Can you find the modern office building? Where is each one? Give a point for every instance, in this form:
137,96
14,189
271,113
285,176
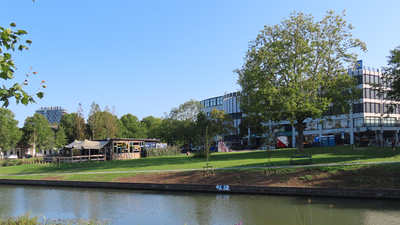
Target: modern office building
227,102
369,120
53,114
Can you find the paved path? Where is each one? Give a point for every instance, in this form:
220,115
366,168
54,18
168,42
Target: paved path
180,170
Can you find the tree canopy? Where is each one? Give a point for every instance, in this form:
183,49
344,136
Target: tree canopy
37,132
392,75
295,70
133,128
10,134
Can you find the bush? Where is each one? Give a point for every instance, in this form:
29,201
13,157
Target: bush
200,154
6,162
159,152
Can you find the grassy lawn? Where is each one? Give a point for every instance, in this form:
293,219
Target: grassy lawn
340,154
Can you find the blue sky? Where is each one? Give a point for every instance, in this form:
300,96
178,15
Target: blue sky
146,57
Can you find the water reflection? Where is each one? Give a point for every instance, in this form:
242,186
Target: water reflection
148,207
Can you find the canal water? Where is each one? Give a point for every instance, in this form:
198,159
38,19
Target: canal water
151,207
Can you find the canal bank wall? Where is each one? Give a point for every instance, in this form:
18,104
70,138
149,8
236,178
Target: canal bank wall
222,189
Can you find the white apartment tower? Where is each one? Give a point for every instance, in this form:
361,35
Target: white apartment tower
53,114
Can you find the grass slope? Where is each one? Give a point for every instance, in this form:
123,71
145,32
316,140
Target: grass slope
280,157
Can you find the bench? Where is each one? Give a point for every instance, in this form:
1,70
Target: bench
300,156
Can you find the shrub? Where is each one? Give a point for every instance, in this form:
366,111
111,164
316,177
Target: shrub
6,162
200,154
159,152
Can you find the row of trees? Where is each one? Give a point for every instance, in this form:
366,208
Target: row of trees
36,132
183,125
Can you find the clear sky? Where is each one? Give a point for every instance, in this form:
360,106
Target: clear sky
146,57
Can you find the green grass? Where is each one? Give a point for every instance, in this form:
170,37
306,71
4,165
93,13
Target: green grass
280,157
28,219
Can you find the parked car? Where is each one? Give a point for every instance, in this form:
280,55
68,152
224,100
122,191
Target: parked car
12,157
27,156
39,155
197,148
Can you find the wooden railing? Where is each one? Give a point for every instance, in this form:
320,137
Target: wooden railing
74,159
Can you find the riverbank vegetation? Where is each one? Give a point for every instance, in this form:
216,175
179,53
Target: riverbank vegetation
28,219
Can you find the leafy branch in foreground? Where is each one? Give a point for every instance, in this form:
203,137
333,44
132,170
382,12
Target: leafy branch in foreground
9,41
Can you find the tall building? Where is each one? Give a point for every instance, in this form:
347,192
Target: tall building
53,114
230,105
369,120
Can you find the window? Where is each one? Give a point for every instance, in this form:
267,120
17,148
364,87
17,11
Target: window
360,79
219,101
372,121
367,93
328,124
389,122
343,123
312,125
358,122
367,107
214,101
358,108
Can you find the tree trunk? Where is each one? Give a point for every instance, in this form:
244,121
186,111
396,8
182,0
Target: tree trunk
300,133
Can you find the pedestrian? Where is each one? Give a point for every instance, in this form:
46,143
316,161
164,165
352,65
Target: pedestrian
393,144
187,153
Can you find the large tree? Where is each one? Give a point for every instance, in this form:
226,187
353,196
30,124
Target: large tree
80,126
133,128
95,120
67,122
60,138
182,121
110,124
10,134
296,70
37,132
391,75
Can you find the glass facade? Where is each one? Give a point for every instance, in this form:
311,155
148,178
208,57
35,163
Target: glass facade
211,102
372,121
340,123
389,122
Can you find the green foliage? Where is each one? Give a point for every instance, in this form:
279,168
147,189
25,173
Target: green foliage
181,123
133,128
155,128
306,177
110,123
6,162
10,134
9,41
95,120
389,86
67,122
160,152
37,132
61,138
296,69
218,122
79,124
